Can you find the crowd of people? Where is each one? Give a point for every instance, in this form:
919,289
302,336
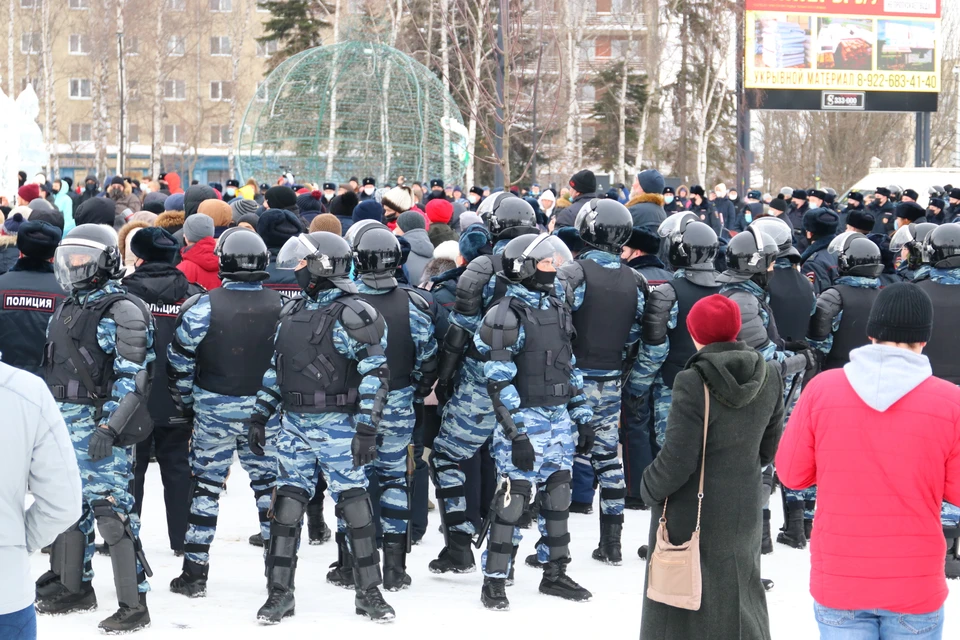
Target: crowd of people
531,340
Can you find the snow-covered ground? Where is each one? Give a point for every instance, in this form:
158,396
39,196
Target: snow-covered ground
433,606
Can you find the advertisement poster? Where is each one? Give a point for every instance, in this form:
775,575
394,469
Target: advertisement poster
843,45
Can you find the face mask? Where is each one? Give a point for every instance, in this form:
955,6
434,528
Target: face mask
231,191
668,199
368,190
91,186
545,279
762,279
473,199
56,190
732,197
328,195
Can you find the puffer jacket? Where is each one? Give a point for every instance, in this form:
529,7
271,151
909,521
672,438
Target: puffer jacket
881,440
200,265
421,252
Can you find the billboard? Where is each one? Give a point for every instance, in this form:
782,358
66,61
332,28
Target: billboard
844,48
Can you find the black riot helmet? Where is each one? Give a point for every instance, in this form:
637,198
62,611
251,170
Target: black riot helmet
243,255
913,236
377,255
604,224
857,255
524,256
750,255
693,244
328,260
943,246
87,258
506,216
782,235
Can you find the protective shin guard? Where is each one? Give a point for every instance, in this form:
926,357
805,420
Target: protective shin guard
508,505
440,464
952,565
124,552
554,507
287,511
355,508
66,559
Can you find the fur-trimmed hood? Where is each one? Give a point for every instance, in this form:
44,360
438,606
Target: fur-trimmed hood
8,241
655,198
124,233
172,221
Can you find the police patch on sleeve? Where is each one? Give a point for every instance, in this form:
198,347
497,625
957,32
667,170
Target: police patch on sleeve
30,301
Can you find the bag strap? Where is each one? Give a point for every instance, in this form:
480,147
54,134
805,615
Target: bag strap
703,460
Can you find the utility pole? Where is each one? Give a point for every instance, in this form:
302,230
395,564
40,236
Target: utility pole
121,81
743,110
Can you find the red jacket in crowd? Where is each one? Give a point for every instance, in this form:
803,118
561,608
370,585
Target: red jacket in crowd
200,265
881,440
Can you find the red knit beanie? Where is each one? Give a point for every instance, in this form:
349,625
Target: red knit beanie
440,210
31,191
715,318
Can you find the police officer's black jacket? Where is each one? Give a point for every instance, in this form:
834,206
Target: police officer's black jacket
791,301
163,288
29,294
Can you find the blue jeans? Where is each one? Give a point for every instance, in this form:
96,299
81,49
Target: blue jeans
19,625
877,624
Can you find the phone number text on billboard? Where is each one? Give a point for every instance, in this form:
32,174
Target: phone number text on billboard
813,79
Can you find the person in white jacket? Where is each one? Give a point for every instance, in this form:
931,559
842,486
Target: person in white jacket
36,456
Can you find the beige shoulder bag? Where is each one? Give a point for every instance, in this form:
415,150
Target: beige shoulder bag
675,577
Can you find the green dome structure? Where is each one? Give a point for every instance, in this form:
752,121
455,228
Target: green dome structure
353,109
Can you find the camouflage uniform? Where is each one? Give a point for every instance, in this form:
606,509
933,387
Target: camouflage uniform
395,431
550,429
603,392
110,478
218,431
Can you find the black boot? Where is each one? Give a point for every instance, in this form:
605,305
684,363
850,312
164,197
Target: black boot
952,566
341,571
556,582
57,599
370,603
808,505
634,504
395,576
766,543
493,595
793,535
767,584
192,582
643,551
533,560
256,540
581,507
456,557
280,604
513,565
128,618
281,559
609,550
317,529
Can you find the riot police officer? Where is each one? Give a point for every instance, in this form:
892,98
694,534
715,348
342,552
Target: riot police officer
791,298
329,376
29,294
467,421
215,364
816,263
97,363
943,287
909,241
412,361
607,299
535,389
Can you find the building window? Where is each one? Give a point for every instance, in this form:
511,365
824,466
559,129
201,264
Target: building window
220,46
30,43
220,5
589,131
176,46
133,134
221,90
29,4
266,49
171,133
79,4
80,88
176,5
263,91
79,44
132,45
587,50
133,91
604,6
80,132
602,50
588,93
219,134
174,90
263,9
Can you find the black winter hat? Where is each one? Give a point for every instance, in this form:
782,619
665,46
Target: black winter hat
233,183
855,195
96,211
820,222
370,182
697,190
902,313
344,204
938,203
818,193
309,202
38,239
955,194
645,239
779,204
861,220
194,195
883,191
436,182
276,226
153,206
154,244
910,193
477,190
280,197
909,211
584,181
799,194
53,217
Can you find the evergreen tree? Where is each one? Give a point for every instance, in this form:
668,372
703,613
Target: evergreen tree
295,25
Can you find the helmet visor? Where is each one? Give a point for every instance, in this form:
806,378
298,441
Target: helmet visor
674,224
356,228
903,237
548,251
74,265
775,228
294,251
837,244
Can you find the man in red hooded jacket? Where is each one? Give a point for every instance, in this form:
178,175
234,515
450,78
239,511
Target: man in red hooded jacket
199,263
881,440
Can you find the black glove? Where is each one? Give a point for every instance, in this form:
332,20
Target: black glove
444,392
523,455
585,438
101,443
796,346
257,434
418,410
364,445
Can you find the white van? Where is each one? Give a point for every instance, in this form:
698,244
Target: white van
916,178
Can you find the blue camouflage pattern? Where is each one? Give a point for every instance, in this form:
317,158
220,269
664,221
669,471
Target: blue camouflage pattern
110,478
604,394
826,345
219,430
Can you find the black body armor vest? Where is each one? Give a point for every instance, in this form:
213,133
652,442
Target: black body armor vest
791,300
852,332
943,349
27,302
545,364
401,352
604,319
681,344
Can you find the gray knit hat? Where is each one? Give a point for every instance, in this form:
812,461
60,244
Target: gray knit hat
241,207
197,227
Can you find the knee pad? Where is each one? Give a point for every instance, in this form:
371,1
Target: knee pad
289,505
557,492
66,558
355,508
510,505
109,523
